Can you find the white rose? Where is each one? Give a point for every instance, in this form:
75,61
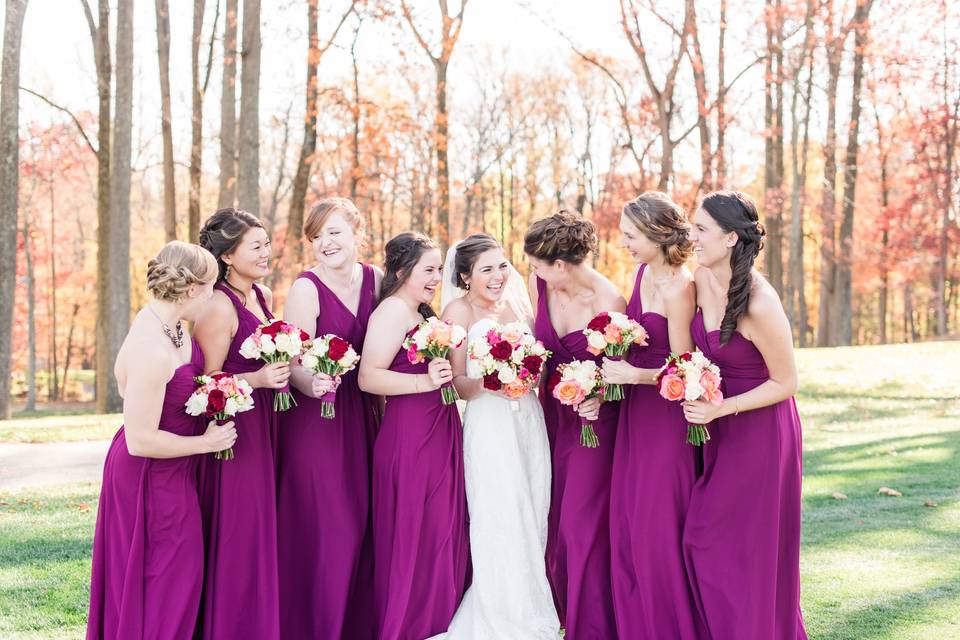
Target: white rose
267,347
231,408
197,404
694,390
596,341
249,349
457,334
309,361
517,356
349,358
506,375
619,319
283,343
245,387
480,346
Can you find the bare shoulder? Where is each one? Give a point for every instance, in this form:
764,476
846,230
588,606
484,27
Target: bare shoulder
389,309
267,294
459,311
301,288
609,296
140,347
377,276
763,298
681,286
219,308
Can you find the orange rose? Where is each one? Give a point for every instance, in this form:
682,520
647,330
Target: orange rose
441,333
515,390
568,392
672,387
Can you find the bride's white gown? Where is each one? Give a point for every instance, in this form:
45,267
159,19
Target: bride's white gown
506,459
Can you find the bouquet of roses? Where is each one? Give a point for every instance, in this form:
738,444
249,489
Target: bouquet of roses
220,396
691,376
612,333
575,382
433,338
510,359
275,341
334,356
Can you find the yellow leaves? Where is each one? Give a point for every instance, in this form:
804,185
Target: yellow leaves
839,496
887,491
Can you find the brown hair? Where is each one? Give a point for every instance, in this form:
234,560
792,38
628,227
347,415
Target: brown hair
401,255
468,250
563,236
223,231
664,223
176,267
322,210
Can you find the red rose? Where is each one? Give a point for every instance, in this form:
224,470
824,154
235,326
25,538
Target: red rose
600,322
271,329
533,364
220,376
304,336
492,382
686,357
338,347
501,351
553,382
216,401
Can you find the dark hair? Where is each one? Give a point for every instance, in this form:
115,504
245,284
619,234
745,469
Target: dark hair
222,233
468,250
663,222
563,236
401,255
735,212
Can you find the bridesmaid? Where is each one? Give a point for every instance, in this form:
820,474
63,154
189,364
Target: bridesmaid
419,505
323,468
741,539
567,294
653,467
148,544
238,497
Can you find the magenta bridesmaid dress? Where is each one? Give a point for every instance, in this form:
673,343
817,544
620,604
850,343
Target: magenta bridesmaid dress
421,548
238,499
578,528
653,475
323,494
741,538
148,544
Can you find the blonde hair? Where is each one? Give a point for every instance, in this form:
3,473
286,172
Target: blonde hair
176,267
663,222
322,210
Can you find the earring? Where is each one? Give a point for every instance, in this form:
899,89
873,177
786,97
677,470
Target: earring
467,286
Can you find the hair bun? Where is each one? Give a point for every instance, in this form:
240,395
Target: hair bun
563,236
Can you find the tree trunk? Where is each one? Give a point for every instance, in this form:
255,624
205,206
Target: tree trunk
228,109
443,171
196,124
700,83
52,387
31,318
355,112
248,163
825,335
9,183
68,351
721,96
773,147
844,284
163,55
951,128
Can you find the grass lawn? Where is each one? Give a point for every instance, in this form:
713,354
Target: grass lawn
873,566
42,426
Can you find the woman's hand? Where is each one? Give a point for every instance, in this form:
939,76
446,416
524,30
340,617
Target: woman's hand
324,384
440,372
589,410
219,437
274,375
701,411
620,372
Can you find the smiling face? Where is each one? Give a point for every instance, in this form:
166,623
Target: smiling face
336,243
489,275
641,248
251,258
421,284
711,244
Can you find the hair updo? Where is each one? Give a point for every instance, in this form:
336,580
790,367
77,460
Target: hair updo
664,223
563,236
222,232
736,213
176,267
321,212
401,255
468,250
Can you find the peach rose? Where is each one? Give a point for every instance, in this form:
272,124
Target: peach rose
612,333
441,333
512,336
515,390
569,393
672,387
642,336
711,387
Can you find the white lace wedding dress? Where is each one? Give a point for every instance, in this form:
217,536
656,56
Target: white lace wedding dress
506,460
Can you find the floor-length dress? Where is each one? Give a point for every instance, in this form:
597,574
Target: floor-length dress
238,498
323,493
148,544
578,540
654,470
421,549
742,534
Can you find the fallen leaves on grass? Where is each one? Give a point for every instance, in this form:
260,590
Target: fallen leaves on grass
887,491
929,503
839,496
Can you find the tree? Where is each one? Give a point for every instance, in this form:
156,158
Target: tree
773,144
228,109
199,88
449,33
248,158
163,55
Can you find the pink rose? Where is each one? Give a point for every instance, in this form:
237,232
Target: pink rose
612,334
642,336
568,392
413,355
672,387
711,387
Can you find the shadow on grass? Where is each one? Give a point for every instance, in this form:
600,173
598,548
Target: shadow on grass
42,551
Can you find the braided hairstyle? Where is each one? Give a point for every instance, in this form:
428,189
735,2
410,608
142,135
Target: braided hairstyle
178,266
735,212
468,250
222,233
563,236
664,223
401,255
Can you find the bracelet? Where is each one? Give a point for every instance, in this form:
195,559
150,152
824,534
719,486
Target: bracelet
736,403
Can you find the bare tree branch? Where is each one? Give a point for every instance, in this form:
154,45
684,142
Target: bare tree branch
73,117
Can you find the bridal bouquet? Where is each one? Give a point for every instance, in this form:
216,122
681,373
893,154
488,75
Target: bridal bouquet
691,376
332,355
612,333
220,396
275,341
433,338
510,358
575,382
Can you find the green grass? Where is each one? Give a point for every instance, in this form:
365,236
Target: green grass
42,426
873,567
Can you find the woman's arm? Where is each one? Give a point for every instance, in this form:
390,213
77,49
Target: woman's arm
302,309
458,312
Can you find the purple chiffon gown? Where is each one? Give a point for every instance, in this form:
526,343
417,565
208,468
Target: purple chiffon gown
238,499
578,529
323,494
421,548
653,475
148,544
741,538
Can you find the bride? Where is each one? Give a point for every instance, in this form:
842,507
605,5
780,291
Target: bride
506,462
